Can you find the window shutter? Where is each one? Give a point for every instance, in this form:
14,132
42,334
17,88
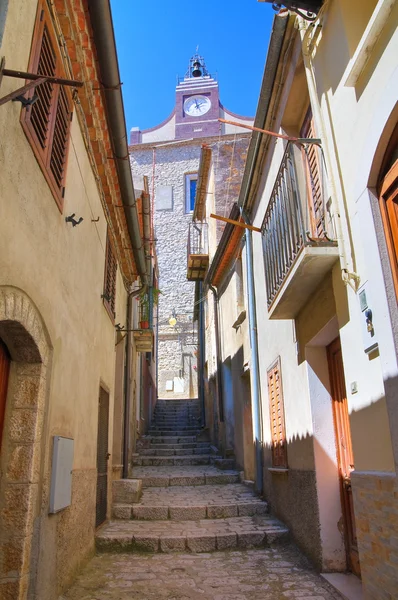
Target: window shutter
60,139
314,184
40,111
278,433
47,122
110,279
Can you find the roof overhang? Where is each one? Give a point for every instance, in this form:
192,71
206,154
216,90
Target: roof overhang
227,249
279,28
199,211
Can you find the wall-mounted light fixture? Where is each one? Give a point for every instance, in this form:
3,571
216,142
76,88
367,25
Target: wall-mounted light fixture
71,219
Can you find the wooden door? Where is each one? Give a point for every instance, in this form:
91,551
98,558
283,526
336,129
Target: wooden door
102,457
4,373
388,199
344,451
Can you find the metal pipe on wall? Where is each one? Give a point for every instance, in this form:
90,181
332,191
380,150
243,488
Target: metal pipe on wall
254,368
127,389
101,21
218,356
201,368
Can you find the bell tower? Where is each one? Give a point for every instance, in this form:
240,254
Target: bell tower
197,106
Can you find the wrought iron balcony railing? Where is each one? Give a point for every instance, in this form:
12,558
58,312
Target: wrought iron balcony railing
145,311
297,215
197,251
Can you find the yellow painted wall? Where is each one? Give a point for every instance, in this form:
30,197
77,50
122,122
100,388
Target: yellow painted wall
61,268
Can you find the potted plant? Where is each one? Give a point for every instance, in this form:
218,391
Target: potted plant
145,306
144,311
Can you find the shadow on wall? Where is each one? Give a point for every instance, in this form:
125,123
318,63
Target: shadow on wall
293,497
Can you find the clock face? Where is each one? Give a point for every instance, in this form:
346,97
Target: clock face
196,106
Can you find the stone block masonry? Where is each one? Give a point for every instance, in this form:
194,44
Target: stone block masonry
175,344
376,515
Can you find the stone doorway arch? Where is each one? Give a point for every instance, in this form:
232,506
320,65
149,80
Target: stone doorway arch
23,332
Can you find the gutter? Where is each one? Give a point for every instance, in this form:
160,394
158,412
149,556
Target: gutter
201,187
279,27
104,39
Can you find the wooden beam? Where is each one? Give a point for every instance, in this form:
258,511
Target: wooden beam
35,76
316,141
237,223
22,90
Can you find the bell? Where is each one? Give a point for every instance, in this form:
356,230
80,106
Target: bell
196,70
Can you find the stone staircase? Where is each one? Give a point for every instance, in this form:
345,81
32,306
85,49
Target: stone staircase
179,498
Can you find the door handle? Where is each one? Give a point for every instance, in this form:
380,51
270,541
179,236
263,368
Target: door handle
107,456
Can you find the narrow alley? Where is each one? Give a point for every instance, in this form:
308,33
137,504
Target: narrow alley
190,507
198,300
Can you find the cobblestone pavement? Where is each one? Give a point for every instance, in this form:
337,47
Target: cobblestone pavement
263,574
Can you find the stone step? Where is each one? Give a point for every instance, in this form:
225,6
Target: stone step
171,425
176,439
186,512
193,428
170,461
175,452
186,445
183,503
177,422
176,417
204,535
172,433
183,476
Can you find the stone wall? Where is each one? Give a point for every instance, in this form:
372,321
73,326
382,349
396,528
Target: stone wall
376,517
176,345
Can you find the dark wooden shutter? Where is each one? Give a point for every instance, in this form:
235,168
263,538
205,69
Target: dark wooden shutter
60,138
278,433
110,279
40,112
47,121
313,177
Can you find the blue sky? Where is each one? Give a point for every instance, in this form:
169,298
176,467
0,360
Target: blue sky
156,39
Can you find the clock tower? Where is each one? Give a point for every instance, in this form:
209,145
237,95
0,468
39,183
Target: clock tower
197,107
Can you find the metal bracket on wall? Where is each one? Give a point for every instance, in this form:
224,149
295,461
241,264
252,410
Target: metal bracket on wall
34,81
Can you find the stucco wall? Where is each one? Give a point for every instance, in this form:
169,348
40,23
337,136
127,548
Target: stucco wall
61,269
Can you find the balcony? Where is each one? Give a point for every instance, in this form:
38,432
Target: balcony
197,251
299,240
143,336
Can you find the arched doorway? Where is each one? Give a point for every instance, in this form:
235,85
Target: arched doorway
24,364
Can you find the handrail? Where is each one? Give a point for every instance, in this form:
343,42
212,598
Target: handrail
197,238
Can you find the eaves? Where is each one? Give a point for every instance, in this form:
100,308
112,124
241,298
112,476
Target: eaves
283,22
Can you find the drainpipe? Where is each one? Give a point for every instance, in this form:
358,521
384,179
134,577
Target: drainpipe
254,370
201,355
218,356
127,387
146,210
104,39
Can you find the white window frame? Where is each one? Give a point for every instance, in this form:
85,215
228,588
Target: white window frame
188,178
